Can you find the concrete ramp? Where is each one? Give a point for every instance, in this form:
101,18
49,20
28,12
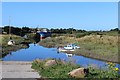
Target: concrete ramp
18,69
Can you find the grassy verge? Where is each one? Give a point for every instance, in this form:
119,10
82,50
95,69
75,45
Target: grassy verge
103,47
7,49
61,70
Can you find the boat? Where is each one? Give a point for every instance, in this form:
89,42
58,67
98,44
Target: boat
11,42
70,47
60,49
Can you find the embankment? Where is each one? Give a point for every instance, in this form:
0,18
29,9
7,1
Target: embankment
103,47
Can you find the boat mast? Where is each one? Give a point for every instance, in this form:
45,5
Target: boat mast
9,27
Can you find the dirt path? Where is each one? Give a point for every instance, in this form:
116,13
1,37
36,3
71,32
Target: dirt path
18,69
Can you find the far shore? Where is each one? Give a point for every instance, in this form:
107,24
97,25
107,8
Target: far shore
86,49
89,54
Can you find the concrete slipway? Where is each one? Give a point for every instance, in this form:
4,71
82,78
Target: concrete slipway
17,69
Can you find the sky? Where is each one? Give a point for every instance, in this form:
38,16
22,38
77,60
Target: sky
78,15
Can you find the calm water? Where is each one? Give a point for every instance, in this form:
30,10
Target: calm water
36,51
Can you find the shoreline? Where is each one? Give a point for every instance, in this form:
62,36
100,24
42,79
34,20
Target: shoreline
103,58
20,43
7,50
88,54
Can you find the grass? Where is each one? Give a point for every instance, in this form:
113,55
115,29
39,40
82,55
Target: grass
104,45
54,42
58,70
61,70
18,39
4,38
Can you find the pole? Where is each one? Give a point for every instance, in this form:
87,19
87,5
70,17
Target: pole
9,27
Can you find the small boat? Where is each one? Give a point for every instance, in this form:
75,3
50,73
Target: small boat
63,49
11,42
70,47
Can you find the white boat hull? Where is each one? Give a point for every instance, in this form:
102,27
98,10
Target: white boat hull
63,50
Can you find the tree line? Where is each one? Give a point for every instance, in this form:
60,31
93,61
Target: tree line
24,30
66,31
17,31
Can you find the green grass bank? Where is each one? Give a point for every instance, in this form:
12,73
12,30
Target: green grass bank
6,49
61,70
103,47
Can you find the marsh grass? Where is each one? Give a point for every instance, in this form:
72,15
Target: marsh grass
55,42
102,46
105,45
6,49
5,39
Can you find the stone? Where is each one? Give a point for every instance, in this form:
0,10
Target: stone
79,73
38,60
50,63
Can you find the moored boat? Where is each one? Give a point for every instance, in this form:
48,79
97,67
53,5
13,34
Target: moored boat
70,47
63,49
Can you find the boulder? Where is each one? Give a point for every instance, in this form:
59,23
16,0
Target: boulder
63,62
78,73
38,60
50,63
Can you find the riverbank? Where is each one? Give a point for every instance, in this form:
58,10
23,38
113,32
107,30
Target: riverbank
6,49
103,47
58,69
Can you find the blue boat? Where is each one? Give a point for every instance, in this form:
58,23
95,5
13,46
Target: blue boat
42,35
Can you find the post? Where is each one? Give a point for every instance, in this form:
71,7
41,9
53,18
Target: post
10,28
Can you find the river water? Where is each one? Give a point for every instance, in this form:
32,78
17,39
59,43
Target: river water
35,51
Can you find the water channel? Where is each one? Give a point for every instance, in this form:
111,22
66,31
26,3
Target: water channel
35,51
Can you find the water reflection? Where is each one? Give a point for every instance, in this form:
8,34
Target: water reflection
10,53
69,55
25,44
36,38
